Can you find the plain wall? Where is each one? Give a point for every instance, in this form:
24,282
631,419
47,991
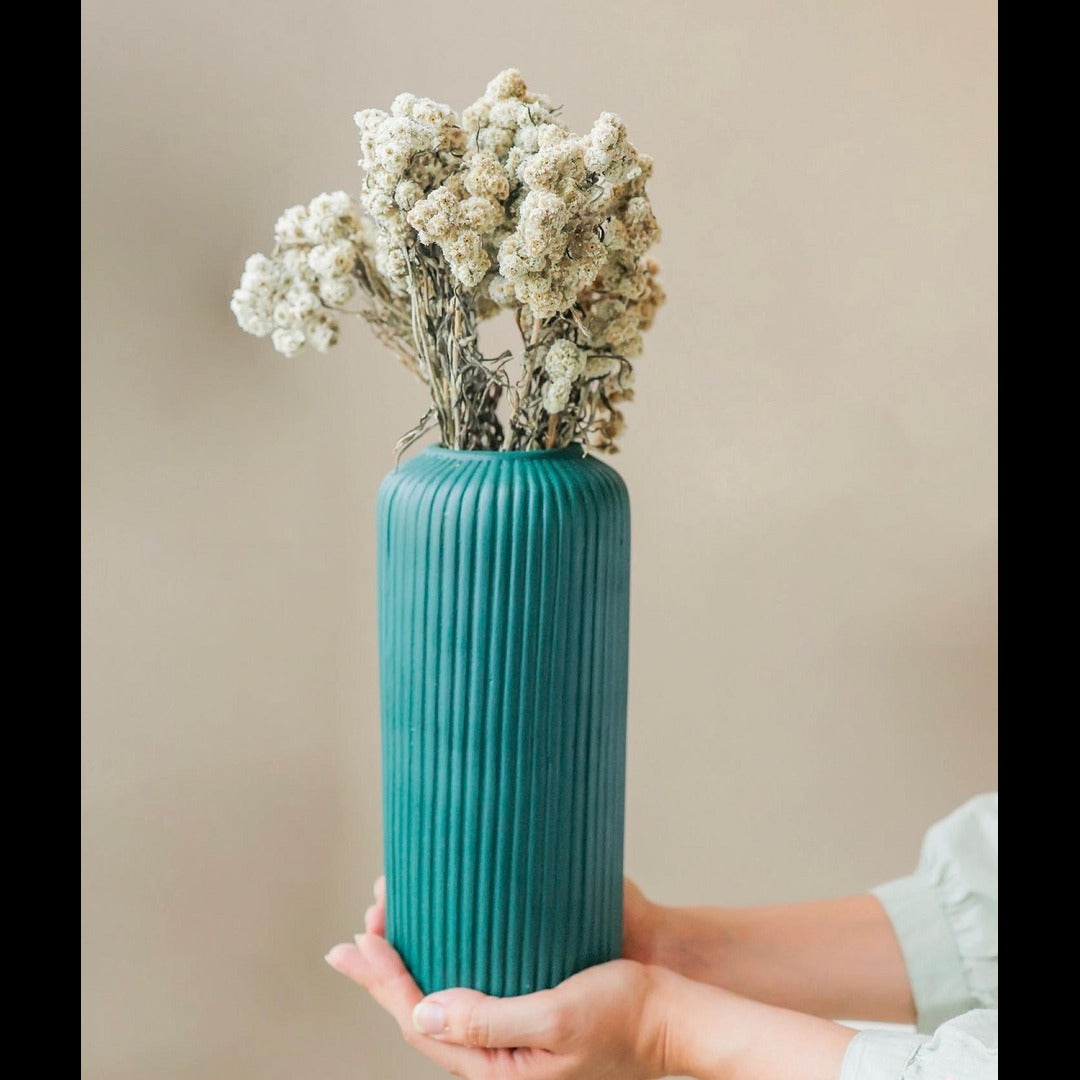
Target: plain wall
811,461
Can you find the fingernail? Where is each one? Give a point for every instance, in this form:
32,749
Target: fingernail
429,1018
335,956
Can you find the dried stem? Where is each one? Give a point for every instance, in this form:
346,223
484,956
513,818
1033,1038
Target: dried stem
553,427
464,389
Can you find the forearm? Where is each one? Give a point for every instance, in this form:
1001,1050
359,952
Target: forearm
830,958
712,1034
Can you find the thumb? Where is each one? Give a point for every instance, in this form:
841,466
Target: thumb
470,1018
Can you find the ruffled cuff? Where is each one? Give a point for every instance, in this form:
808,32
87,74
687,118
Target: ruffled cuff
880,1055
945,915
934,966
963,1049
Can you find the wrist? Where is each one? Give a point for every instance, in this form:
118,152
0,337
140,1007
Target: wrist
695,1030
713,1034
645,928
663,1051
660,934
692,942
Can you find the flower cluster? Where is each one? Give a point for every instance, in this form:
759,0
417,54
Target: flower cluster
405,153
564,364
291,295
501,208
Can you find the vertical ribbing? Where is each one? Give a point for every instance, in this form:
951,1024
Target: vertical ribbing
503,625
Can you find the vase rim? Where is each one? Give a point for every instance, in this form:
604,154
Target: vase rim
573,449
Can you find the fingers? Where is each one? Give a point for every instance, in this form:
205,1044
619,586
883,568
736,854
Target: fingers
469,1018
373,964
375,921
375,916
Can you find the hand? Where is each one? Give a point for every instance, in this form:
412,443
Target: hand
605,1021
641,925
827,958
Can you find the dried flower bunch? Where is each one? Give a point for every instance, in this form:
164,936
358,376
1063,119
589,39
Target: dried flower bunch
458,218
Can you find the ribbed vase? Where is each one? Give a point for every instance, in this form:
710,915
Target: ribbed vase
503,583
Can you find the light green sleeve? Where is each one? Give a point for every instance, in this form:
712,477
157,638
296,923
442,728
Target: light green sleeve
964,1048
945,915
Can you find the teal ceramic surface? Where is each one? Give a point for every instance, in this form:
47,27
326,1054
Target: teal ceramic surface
503,583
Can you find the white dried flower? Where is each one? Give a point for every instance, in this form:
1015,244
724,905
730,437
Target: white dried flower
609,153
467,258
406,152
334,206
293,262
256,285
285,295
250,313
321,335
556,396
302,299
332,260
285,315
502,208
459,223
501,291
337,291
390,258
260,266
290,227
640,225
597,367
507,84
564,361
288,341
485,176
407,194
506,116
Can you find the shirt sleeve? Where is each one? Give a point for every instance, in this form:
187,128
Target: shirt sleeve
945,917
964,1048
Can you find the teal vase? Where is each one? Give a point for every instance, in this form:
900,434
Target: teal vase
503,582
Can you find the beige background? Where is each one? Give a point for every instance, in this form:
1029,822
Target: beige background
811,459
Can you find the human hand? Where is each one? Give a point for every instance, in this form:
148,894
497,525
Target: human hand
605,1021
642,920
624,1019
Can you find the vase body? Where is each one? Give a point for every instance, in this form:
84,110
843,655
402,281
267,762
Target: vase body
503,584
